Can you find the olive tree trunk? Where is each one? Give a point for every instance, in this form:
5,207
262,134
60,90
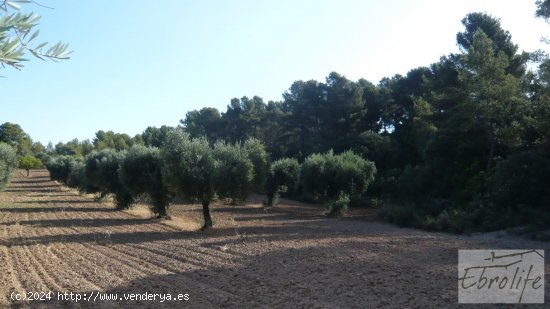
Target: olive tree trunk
206,215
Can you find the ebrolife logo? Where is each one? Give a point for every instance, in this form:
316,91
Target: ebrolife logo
501,276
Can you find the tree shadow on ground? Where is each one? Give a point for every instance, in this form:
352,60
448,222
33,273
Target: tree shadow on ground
312,277
33,187
83,201
52,195
31,180
56,209
107,222
309,277
37,189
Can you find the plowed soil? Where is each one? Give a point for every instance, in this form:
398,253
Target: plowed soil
291,256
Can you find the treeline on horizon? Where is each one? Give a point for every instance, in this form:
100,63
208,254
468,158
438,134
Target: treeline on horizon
462,145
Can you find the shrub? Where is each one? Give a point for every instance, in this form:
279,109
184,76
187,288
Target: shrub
29,162
141,172
402,215
451,220
283,176
519,187
8,163
412,183
338,205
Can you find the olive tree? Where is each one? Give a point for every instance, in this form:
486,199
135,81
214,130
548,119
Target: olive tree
335,179
234,172
197,171
77,178
255,151
283,176
102,174
189,170
60,167
315,174
141,173
8,163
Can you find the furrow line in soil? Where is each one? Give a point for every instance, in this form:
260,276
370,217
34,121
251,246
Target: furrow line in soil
171,264
32,256
186,254
26,273
144,273
58,268
157,277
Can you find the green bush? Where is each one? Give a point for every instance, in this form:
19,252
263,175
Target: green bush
519,187
413,183
452,220
141,173
436,215
8,163
402,215
283,176
338,205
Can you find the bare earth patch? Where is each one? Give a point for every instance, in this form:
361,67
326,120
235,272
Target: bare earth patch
53,239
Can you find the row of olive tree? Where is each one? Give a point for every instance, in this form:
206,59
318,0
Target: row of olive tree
8,163
195,169
98,172
332,179
190,168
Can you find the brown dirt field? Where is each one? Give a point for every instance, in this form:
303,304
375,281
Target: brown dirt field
53,239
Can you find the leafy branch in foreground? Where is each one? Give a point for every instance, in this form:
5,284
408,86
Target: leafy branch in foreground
18,33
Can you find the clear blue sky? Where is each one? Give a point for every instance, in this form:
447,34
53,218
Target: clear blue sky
146,63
